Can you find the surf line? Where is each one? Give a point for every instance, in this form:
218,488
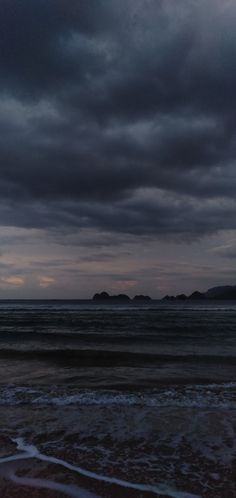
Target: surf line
31,451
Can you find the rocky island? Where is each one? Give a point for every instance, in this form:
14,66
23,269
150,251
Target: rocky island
104,296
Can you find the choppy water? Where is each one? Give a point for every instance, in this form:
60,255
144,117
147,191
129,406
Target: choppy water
142,398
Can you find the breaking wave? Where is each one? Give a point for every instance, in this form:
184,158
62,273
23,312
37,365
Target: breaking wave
199,396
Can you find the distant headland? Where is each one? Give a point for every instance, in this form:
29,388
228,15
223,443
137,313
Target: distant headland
224,292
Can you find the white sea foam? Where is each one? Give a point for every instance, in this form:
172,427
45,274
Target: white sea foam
193,396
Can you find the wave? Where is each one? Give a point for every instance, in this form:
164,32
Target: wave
207,396
99,357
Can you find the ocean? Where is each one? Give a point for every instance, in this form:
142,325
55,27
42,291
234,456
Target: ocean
125,400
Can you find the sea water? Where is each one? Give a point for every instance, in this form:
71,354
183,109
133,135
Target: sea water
117,400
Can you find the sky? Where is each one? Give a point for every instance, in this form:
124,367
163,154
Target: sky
117,147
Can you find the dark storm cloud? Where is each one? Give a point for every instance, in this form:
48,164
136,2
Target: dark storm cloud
34,36
118,116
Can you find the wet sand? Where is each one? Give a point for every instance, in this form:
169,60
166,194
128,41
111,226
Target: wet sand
89,452
28,475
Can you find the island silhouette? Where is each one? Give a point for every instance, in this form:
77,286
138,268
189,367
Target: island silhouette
223,292
104,296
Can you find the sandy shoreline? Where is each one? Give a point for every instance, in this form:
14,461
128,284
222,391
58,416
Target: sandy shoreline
37,477
189,452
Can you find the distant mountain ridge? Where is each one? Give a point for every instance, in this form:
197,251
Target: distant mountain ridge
223,292
214,292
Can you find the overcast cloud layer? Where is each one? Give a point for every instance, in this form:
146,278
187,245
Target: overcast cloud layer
119,118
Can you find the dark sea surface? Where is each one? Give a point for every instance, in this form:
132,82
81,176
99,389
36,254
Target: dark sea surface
117,400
